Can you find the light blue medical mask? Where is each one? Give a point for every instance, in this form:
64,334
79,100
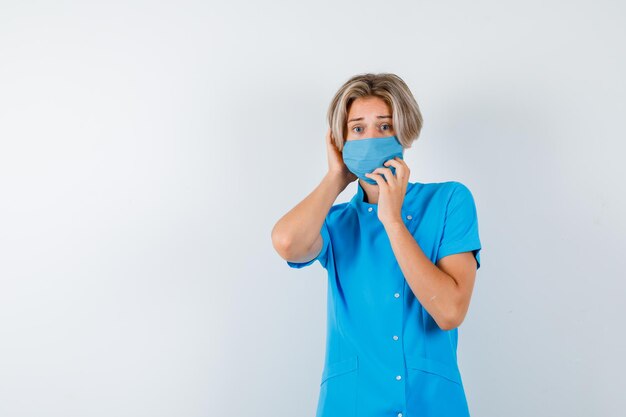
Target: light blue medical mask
362,156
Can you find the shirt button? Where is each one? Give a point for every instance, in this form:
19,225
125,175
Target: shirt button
398,377
370,209
399,414
397,295
409,217
395,338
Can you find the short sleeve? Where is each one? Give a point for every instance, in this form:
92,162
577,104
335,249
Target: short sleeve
322,257
460,230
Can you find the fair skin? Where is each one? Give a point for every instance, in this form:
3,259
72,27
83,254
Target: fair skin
444,289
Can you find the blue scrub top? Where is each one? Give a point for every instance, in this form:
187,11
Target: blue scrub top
385,354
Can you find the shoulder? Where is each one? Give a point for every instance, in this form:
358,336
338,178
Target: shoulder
459,191
337,211
443,189
437,196
457,198
427,190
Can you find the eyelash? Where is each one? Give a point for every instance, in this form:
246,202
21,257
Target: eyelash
384,124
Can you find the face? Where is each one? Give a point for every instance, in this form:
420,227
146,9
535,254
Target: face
369,117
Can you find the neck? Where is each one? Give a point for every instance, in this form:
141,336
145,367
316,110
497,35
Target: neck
370,191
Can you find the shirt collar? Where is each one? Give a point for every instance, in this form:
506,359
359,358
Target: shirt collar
358,200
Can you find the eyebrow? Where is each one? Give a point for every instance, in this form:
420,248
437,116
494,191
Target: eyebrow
360,118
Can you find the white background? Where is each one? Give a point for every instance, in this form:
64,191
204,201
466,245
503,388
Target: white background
148,148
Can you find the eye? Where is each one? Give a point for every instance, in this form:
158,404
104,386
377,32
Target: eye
356,127
386,124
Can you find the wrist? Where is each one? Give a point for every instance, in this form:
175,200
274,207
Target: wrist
337,180
394,225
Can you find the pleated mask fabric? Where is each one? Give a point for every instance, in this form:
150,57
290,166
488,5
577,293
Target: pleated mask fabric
362,156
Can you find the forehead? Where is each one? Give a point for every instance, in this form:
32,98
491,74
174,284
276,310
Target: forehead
367,106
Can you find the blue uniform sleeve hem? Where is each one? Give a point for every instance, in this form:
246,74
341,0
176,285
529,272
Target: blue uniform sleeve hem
459,247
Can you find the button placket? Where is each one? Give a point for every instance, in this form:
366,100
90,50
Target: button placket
396,295
406,215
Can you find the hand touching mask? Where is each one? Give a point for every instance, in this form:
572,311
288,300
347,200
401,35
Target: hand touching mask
362,156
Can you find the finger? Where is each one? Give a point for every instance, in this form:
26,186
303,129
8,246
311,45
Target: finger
386,172
378,178
397,166
402,169
402,162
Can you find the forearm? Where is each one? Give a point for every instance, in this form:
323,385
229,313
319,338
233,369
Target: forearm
298,229
436,290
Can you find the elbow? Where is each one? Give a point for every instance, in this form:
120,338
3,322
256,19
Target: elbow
281,243
447,325
452,319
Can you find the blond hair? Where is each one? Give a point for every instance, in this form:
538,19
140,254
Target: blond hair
407,118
